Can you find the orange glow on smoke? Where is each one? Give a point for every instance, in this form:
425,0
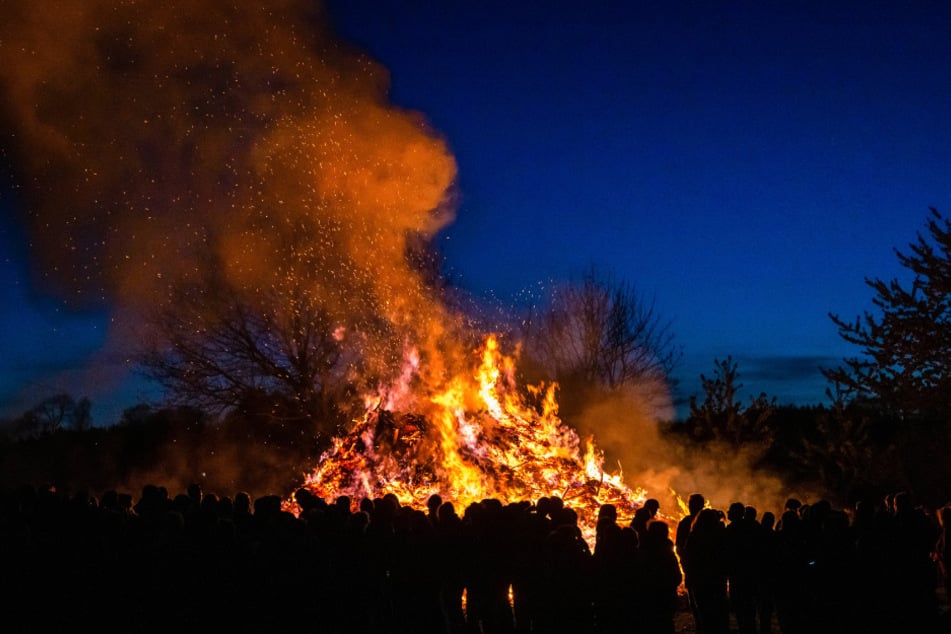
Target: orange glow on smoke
173,147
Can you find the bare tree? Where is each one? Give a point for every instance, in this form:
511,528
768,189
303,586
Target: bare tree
602,333
219,349
54,412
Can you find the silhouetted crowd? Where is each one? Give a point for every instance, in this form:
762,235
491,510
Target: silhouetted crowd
816,569
200,562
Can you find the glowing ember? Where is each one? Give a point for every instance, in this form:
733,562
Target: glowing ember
476,437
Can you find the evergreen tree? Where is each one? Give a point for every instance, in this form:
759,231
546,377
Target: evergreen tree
905,367
721,415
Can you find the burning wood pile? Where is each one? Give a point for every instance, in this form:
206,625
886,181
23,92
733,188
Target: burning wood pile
479,437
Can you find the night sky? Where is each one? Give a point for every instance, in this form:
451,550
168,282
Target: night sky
745,164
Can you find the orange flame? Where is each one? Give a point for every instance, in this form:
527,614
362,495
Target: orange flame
476,437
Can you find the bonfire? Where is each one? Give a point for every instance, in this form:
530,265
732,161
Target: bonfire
477,437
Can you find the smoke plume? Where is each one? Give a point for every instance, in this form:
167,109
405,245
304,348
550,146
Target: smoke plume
160,145
670,467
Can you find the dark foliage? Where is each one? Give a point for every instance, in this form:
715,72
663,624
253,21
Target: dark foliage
177,444
850,450
722,416
905,367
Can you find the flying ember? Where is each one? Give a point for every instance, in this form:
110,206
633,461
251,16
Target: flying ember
478,436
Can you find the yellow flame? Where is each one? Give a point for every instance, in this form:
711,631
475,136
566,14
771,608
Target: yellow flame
477,436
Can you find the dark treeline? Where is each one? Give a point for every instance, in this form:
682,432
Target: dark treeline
174,445
196,561
844,452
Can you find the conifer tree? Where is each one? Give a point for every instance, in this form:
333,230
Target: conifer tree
905,363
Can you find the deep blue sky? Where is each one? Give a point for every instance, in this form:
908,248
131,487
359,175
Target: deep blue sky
745,164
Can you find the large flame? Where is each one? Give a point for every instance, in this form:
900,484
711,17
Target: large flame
477,436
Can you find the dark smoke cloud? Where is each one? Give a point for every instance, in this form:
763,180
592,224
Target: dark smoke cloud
159,144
